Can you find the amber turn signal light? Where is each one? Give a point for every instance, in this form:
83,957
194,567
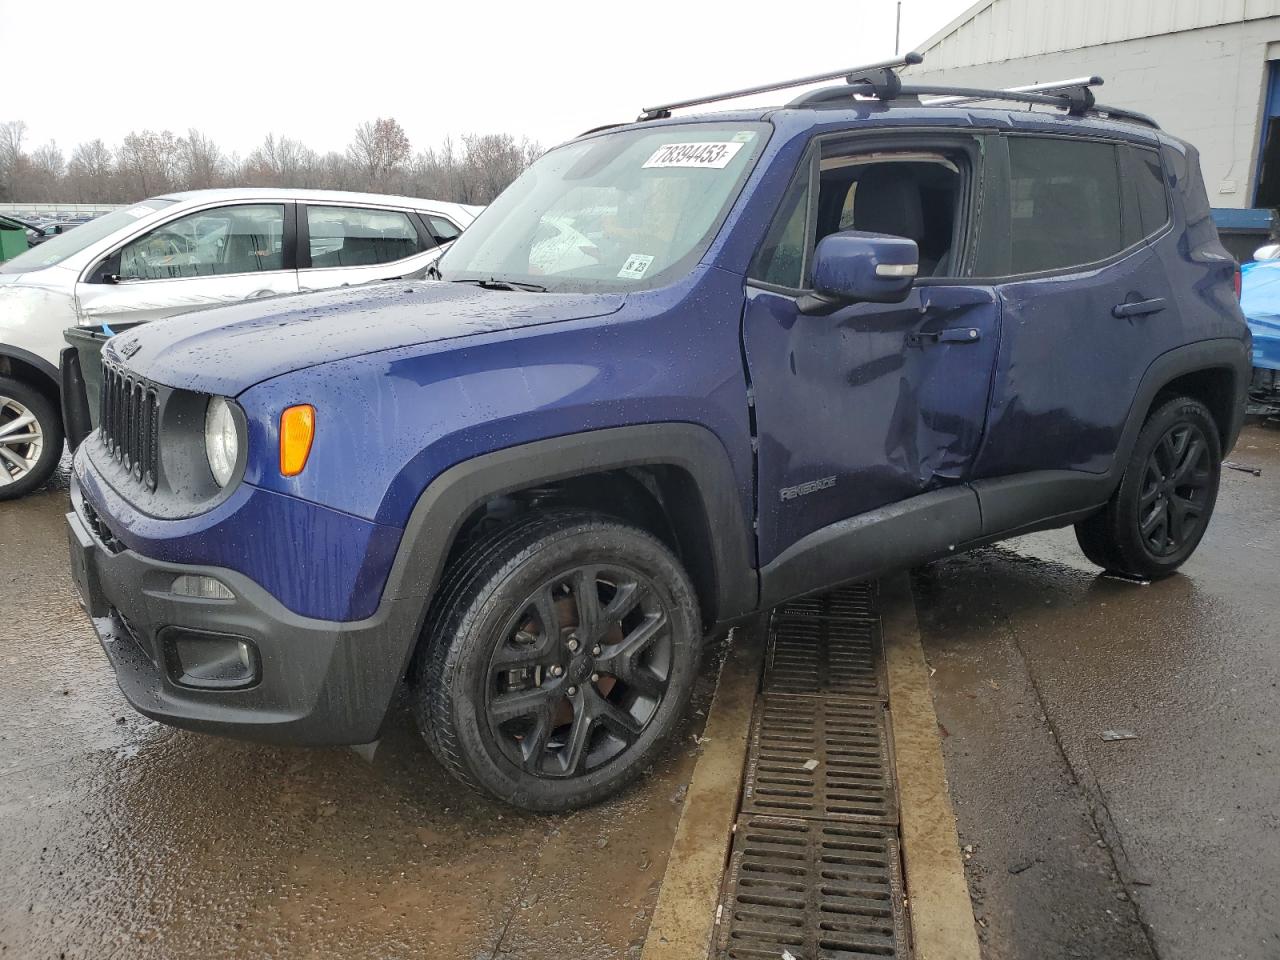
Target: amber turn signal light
297,427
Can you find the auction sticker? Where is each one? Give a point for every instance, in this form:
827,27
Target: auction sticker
714,155
635,267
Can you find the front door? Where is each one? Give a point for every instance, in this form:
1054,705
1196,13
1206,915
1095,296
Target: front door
219,255
871,404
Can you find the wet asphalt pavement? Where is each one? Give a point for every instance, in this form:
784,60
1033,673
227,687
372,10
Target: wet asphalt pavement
1166,845
120,837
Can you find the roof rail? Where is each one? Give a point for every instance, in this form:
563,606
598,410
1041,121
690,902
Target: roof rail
1075,96
1051,86
878,77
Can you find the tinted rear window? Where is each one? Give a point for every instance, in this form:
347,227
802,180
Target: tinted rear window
1065,205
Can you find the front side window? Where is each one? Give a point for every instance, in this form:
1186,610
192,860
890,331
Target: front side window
246,238
912,194
780,259
1064,203
620,211
360,237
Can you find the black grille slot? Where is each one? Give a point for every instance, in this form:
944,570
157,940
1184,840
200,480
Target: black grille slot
130,423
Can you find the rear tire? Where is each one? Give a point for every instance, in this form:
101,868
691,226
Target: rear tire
1158,514
560,655
30,438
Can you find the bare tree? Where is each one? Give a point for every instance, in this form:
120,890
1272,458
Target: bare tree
12,157
89,174
147,163
44,173
200,161
282,162
380,150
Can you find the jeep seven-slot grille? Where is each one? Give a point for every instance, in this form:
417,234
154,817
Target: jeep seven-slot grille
130,422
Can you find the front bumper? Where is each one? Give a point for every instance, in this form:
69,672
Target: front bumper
317,681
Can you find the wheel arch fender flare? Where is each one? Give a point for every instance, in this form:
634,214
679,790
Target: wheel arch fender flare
442,508
1227,355
42,366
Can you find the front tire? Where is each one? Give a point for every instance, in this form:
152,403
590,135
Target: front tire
1157,516
30,438
561,654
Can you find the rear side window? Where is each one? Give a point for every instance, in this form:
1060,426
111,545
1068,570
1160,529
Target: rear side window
358,237
1153,206
1064,204
441,229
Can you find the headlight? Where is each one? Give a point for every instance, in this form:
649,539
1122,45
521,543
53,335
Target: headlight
221,440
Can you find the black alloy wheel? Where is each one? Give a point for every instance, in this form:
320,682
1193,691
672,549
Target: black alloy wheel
1161,508
1174,504
580,670
558,655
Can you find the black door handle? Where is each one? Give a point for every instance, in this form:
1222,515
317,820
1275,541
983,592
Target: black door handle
955,335
1138,308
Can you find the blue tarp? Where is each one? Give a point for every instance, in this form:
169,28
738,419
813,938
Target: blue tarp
1260,301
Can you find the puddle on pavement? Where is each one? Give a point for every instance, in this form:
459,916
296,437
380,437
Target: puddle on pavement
125,838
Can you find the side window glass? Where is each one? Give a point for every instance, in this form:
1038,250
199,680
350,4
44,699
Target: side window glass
442,230
247,238
780,261
912,195
358,237
1153,204
1065,203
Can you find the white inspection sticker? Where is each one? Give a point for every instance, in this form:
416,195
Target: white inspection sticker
139,212
714,155
635,267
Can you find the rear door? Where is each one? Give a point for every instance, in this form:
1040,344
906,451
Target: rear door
1086,301
222,254
869,404
343,245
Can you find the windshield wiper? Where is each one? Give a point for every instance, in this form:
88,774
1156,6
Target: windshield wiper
495,284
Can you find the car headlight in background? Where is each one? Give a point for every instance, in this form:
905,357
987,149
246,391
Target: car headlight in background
221,440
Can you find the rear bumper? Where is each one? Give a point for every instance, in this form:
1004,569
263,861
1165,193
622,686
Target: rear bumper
315,681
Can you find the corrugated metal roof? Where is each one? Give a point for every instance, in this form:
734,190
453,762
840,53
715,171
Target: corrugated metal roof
994,30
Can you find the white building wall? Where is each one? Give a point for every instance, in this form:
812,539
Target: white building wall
995,30
1205,85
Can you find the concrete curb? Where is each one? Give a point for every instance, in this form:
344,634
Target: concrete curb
938,895
684,918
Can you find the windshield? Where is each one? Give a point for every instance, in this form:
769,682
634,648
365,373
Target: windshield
622,211
56,249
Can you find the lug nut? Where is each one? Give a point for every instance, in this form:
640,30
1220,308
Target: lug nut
557,670
572,691
573,644
595,651
595,678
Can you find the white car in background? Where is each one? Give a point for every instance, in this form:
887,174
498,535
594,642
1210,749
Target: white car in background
182,252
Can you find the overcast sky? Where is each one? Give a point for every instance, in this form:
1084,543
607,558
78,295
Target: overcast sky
239,70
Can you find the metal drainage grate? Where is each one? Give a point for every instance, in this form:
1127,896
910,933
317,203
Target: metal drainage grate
845,744
819,891
816,656
855,602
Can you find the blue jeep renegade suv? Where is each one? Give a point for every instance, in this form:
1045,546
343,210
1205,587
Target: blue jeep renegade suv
681,370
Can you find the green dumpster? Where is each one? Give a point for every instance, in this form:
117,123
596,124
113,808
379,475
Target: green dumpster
13,238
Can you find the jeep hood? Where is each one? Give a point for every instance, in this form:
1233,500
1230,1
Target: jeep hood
226,350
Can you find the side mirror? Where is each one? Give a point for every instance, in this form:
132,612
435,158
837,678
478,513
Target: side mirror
854,265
